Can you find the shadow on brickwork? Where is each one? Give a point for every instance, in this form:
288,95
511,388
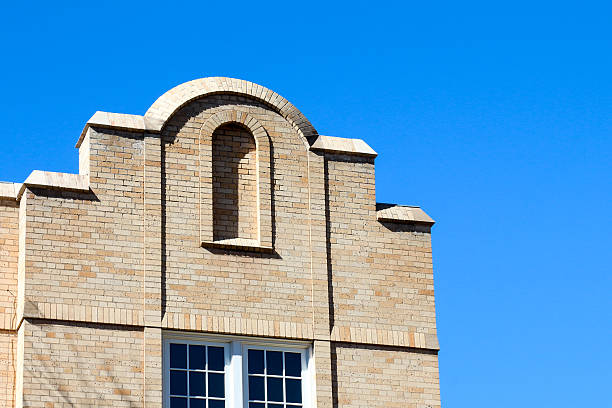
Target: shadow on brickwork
399,227
162,232
231,145
45,370
330,277
361,346
65,194
334,375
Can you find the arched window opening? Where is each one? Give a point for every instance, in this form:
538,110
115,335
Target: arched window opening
235,184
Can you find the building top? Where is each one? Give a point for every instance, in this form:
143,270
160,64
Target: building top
170,102
402,213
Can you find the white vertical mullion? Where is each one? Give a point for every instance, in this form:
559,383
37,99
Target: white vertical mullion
283,379
187,374
166,372
205,376
266,377
234,388
308,372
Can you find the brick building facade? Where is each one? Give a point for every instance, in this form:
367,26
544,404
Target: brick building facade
216,251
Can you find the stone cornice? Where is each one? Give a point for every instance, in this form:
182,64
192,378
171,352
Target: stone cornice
343,146
402,214
45,179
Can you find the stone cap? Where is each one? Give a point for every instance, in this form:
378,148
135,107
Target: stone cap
46,179
119,121
343,145
402,214
161,110
9,190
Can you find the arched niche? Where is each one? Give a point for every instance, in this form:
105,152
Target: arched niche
234,213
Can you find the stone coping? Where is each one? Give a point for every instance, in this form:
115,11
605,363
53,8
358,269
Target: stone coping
239,244
402,214
137,123
119,121
9,190
343,145
45,179
171,101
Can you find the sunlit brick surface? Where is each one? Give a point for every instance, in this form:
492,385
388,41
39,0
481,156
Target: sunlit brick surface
218,212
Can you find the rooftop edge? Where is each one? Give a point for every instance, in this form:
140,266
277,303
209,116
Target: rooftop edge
343,145
402,214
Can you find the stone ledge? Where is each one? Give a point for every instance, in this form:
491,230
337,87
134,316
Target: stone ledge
238,244
402,214
343,145
385,337
60,181
9,190
89,314
119,121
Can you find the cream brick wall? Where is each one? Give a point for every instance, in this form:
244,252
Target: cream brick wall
9,253
84,250
382,276
385,377
82,366
272,287
8,357
102,273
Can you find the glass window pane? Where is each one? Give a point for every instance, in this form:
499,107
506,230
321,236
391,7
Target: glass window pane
275,389
197,357
216,404
256,405
256,361
178,382
197,384
274,362
275,406
293,364
197,403
216,358
256,388
293,388
216,387
178,402
178,355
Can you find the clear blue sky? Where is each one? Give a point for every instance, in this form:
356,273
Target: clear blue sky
495,118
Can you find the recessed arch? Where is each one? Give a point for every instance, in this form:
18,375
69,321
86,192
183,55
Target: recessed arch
167,104
263,181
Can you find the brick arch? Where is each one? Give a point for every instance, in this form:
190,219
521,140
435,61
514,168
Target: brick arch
264,181
167,104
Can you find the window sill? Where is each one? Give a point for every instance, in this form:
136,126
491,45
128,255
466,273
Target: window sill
238,244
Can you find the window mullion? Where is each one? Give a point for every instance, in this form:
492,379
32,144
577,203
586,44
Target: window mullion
187,373
235,386
266,377
283,379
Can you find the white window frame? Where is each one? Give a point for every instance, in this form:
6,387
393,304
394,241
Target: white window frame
236,355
